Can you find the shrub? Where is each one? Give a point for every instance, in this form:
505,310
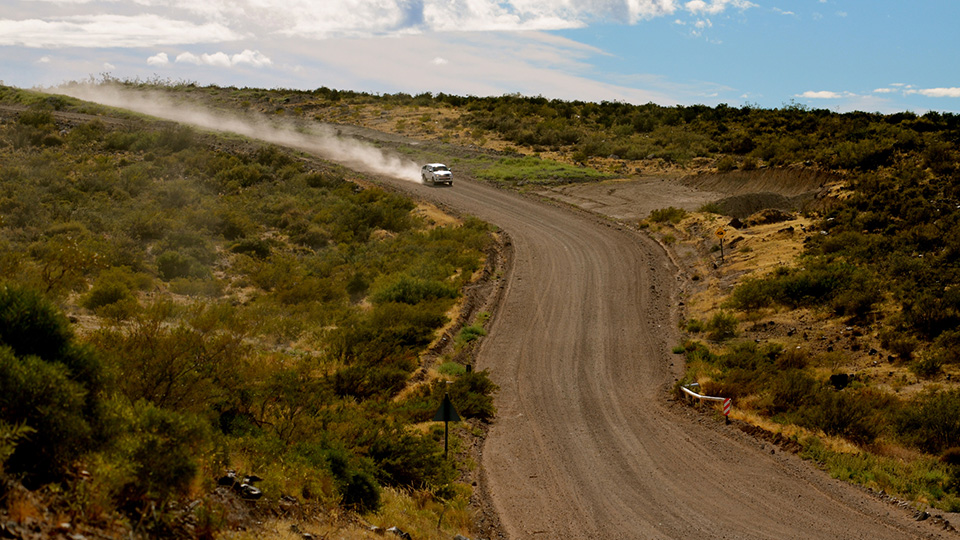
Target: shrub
721,326
726,164
472,395
406,289
695,326
254,247
354,480
160,448
931,421
105,293
669,214
172,264
752,294
451,368
842,413
928,366
469,334
791,390
10,435
42,396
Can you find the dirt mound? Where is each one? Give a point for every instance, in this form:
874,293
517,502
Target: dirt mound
748,192
789,182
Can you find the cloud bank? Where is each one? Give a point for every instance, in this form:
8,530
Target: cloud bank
106,23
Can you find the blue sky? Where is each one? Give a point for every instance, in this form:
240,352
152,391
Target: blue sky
843,55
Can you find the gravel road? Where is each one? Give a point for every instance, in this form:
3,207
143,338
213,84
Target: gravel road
587,443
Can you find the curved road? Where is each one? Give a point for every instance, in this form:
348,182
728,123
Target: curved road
585,444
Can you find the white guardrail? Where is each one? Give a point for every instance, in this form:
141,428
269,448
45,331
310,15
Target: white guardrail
691,393
727,402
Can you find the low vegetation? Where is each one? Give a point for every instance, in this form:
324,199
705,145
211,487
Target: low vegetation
296,305
176,305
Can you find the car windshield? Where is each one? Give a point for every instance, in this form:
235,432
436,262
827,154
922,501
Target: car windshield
441,168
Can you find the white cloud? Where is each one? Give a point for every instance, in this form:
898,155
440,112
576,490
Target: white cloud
439,61
825,94
715,7
480,64
109,31
159,59
109,23
936,92
253,58
885,90
782,12
222,59
108,66
43,60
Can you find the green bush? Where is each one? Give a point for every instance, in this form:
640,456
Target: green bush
41,396
472,395
791,390
469,334
406,289
726,164
105,293
160,449
931,421
928,366
721,326
451,368
843,413
172,265
354,480
47,383
669,214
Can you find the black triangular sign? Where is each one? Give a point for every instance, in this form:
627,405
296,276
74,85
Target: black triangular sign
446,412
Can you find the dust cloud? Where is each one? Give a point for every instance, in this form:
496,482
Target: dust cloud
320,139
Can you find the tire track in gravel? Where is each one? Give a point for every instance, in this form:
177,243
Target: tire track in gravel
586,443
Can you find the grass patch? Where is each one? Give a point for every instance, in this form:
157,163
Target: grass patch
534,170
925,480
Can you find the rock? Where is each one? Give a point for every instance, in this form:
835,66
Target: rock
249,492
840,380
228,479
460,537
400,533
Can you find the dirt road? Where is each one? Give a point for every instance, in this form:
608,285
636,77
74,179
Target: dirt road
587,443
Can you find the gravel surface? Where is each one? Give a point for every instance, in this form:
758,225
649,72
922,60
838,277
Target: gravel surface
587,442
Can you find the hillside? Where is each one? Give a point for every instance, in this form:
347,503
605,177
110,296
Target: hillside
179,307
831,323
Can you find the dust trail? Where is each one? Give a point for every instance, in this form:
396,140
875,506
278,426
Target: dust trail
320,140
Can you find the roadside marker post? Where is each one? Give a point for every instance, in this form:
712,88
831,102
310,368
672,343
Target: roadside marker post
446,414
727,405
720,233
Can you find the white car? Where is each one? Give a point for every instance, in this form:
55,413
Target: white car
436,173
